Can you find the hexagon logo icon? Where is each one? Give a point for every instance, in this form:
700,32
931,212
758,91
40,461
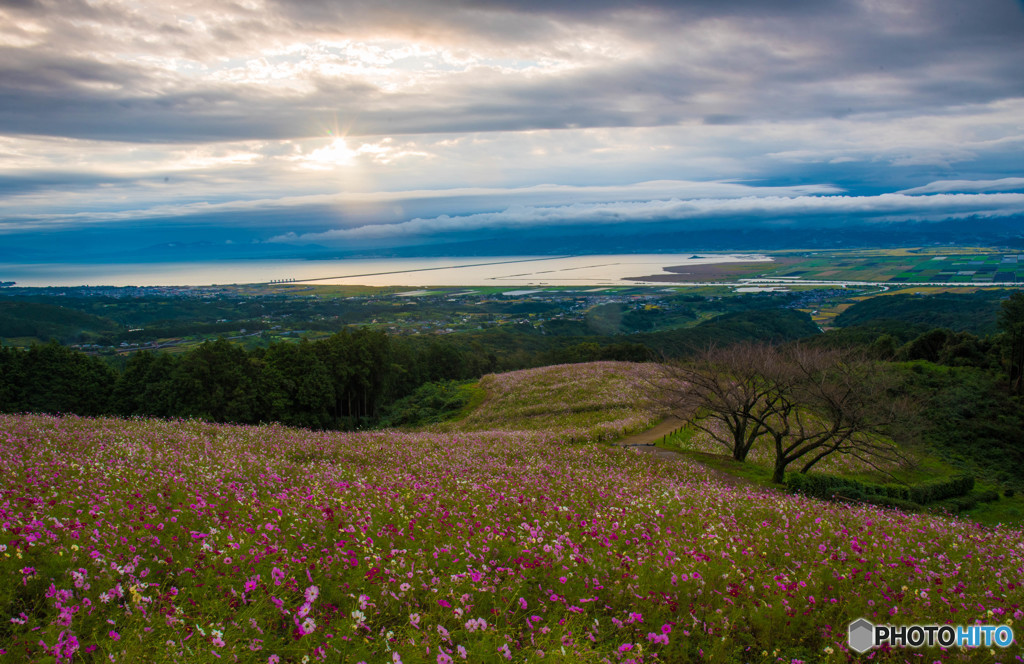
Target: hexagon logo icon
862,635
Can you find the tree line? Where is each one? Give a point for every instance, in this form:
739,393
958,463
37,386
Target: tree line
344,381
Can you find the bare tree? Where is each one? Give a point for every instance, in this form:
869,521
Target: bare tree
730,392
808,403
841,403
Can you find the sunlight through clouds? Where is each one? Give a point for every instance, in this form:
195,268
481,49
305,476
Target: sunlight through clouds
334,154
187,106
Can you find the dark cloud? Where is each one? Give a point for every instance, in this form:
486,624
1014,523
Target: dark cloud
764,61
20,4
42,181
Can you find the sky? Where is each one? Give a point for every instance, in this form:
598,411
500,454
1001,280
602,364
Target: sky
144,129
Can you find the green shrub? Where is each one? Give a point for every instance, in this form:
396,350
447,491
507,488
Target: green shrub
898,503
430,403
894,495
987,496
936,490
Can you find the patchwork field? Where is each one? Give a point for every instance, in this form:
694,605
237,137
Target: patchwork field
956,266
180,541
920,266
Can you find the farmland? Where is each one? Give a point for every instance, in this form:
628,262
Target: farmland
152,540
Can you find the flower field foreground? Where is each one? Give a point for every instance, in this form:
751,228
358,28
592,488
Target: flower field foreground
139,541
594,401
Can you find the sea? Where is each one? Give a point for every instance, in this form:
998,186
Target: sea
608,270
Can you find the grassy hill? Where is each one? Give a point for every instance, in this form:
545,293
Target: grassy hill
149,540
585,402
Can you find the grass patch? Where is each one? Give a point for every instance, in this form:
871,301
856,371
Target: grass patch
1006,510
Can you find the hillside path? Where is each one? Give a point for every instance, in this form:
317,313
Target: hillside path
644,441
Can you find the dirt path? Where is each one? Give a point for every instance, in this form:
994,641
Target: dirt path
653,434
645,440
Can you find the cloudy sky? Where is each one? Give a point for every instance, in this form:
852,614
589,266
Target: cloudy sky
279,124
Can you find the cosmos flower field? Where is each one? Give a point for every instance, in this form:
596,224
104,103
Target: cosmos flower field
181,541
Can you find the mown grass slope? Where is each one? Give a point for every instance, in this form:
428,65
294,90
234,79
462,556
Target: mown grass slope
586,402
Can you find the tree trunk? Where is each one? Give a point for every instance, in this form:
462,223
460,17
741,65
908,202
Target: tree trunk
779,476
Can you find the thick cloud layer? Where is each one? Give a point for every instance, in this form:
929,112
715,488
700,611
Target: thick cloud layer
114,110
188,71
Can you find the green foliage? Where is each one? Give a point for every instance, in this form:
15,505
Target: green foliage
52,378
342,381
968,418
297,385
605,319
45,321
929,492
770,325
965,502
592,351
1011,323
430,403
959,312
891,495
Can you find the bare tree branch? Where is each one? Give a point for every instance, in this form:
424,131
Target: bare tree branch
809,402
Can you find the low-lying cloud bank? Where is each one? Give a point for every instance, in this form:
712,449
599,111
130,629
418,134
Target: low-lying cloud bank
744,211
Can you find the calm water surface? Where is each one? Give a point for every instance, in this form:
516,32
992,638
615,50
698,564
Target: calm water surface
473,271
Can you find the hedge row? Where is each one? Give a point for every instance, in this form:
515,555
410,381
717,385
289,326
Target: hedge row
964,503
893,495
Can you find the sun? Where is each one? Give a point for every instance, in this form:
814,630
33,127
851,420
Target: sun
334,154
